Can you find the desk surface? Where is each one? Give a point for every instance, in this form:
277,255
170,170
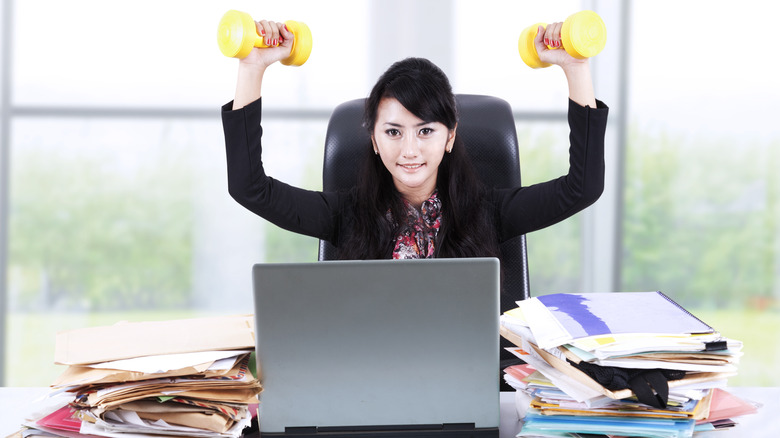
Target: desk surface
16,403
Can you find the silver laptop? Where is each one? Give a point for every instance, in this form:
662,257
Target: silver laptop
392,346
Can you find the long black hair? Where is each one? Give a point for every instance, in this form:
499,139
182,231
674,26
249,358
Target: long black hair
468,228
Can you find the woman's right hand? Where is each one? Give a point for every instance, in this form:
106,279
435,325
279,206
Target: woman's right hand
279,41
252,67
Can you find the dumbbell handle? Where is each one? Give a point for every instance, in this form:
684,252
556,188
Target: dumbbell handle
549,47
260,40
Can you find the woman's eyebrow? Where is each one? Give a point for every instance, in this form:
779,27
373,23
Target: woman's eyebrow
398,125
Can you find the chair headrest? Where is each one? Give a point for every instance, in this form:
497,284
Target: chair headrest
486,127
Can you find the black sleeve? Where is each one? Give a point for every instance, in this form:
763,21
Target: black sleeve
524,209
302,211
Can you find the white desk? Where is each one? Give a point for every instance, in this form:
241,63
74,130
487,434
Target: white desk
15,403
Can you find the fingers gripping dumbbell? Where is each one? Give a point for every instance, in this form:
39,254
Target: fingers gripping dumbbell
583,35
237,36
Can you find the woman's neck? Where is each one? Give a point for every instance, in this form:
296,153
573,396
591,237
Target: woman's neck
416,199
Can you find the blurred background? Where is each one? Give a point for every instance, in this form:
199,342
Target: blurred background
113,195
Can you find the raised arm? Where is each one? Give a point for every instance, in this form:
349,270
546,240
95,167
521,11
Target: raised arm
252,68
302,211
577,71
526,209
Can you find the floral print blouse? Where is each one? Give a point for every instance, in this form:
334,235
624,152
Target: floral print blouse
416,237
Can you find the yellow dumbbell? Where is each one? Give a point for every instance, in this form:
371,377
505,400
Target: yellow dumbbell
237,36
583,35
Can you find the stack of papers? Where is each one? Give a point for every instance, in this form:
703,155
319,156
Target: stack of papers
172,378
585,353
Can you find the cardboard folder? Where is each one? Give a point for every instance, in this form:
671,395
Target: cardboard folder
135,339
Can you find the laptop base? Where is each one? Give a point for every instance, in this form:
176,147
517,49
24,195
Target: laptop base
421,431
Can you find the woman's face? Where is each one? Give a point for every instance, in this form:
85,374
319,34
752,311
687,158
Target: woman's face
410,148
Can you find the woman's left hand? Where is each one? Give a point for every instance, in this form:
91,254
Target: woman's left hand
551,36
577,71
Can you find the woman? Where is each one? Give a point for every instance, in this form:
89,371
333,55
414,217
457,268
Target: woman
417,196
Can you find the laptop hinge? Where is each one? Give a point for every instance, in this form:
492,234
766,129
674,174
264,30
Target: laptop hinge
458,426
310,430
365,428
301,430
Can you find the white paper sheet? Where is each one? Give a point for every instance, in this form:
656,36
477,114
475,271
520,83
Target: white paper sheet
168,362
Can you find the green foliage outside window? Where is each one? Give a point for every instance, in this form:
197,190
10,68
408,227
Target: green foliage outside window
82,237
700,221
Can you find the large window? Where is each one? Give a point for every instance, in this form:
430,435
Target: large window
702,193
118,206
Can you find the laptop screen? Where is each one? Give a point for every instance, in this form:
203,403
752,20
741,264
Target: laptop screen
360,344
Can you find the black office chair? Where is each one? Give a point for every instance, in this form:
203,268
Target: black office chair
487,128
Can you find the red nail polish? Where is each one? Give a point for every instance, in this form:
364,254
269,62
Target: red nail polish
262,32
285,28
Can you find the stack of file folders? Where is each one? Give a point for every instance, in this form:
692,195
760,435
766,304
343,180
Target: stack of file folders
170,378
621,364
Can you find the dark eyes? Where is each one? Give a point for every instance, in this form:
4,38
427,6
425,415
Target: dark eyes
392,132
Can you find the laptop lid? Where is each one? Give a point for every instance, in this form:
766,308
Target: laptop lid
352,345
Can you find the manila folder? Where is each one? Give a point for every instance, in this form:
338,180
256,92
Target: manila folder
135,339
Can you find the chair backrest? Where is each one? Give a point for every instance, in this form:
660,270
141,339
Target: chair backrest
487,128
